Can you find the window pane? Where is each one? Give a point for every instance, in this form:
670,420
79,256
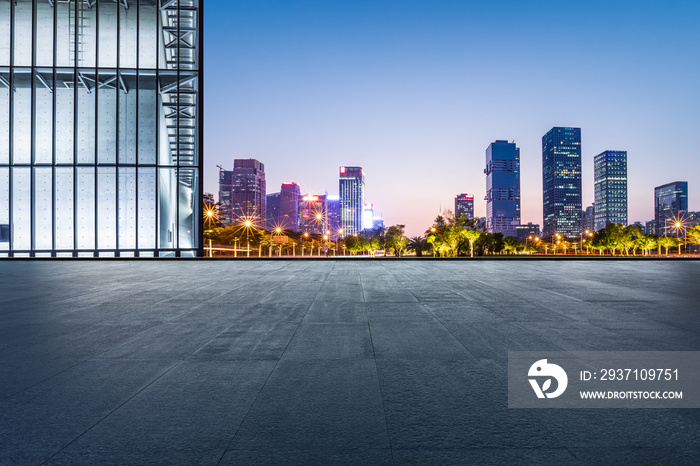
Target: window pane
148,110
43,105
44,33
148,17
87,41
4,116
86,208
106,208
127,117
22,117
147,208
187,200
5,32
4,208
64,208
64,116
21,209
167,208
43,208
23,33
128,31
107,117
65,33
107,40
86,117
127,208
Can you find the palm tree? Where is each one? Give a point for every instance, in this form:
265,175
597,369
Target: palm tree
417,244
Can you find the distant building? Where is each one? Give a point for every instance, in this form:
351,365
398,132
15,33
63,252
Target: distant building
352,199
640,225
610,188
242,192
368,217
523,232
377,223
273,211
289,206
313,214
670,200
561,182
650,228
502,187
588,222
333,206
464,205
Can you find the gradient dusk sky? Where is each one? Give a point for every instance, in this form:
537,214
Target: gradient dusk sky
415,91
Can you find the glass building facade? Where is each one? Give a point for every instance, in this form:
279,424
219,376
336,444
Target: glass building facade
561,182
352,199
502,188
464,205
100,128
670,201
610,188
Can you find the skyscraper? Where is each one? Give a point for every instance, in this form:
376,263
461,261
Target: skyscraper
289,206
670,200
313,214
588,218
610,188
352,199
100,128
561,180
272,212
502,188
247,191
464,205
333,206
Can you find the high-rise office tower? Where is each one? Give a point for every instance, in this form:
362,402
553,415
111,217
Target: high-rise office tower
502,187
670,200
352,199
225,196
561,180
313,214
368,217
333,206
248,191
464,205
272,212
610,188
289,206
100,128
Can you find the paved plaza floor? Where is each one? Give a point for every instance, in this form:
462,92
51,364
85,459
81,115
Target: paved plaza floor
328,361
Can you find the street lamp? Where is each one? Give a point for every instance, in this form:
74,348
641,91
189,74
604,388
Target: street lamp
586,233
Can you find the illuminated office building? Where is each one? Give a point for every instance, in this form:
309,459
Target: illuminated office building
289,206
464,205
670,201
610,188
313,214
561,180
352,199
100,128
502,187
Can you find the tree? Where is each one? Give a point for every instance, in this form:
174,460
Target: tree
693,234
667,242
417,244
472,236
395,240
510,244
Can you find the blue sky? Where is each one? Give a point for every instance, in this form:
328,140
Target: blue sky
414,91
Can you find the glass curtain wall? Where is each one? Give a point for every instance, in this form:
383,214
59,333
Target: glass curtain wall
100,128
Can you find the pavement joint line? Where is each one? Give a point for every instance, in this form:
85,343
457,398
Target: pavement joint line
376,369
228,446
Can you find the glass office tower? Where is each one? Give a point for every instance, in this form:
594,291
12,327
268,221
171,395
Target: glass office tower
670,202
561,182
502,188
100,128
610,188
352,199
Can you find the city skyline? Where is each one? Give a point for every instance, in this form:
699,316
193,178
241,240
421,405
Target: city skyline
395,85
